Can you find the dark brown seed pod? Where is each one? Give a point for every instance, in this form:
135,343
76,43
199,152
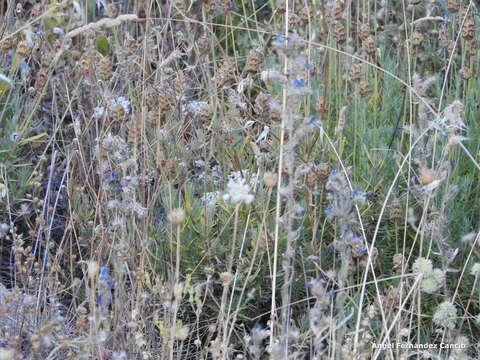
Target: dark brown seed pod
468,31
465,72
23,49
339,32
355,72
254,60
105,68
363,32
321,105
416,38
40,79
85,64
364,88
453,6
369,46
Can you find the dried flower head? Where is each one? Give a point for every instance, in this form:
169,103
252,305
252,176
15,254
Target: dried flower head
238,191
176,216
445,315
92,269
225,278
270,179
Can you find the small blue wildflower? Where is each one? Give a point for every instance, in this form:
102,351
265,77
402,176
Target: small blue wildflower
445,18
357,192
308,66
104,277
361,249
110,175
281,37
105,284
328,210
311,120
119,185
357,238
331,247
297,83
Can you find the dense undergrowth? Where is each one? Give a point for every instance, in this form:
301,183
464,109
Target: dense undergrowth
239,180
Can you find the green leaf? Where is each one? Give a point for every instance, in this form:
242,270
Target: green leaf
102,45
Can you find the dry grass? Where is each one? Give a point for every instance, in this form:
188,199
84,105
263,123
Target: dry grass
239,180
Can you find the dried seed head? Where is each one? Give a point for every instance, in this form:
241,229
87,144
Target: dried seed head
305,14
321,105
209,271
82,311
339,32
323,172
180,5
270,179
426,176
6,45
85,64
40,79
117,112
225,278
19,10
76,55
165,99
254,60
465,72
105,68
417,38
369,46
154,117
176,216
92,269
225,73
363,32
111,10
468,31
337,10
36,10
294,21
364,88
23,49
311,179
355,72
396,211
471,47
398,262
453,6
226,7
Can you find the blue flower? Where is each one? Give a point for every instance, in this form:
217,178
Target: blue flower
361,249
311,120
281,37
445,18
104,277
328,210
110,175
297,83
105,284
